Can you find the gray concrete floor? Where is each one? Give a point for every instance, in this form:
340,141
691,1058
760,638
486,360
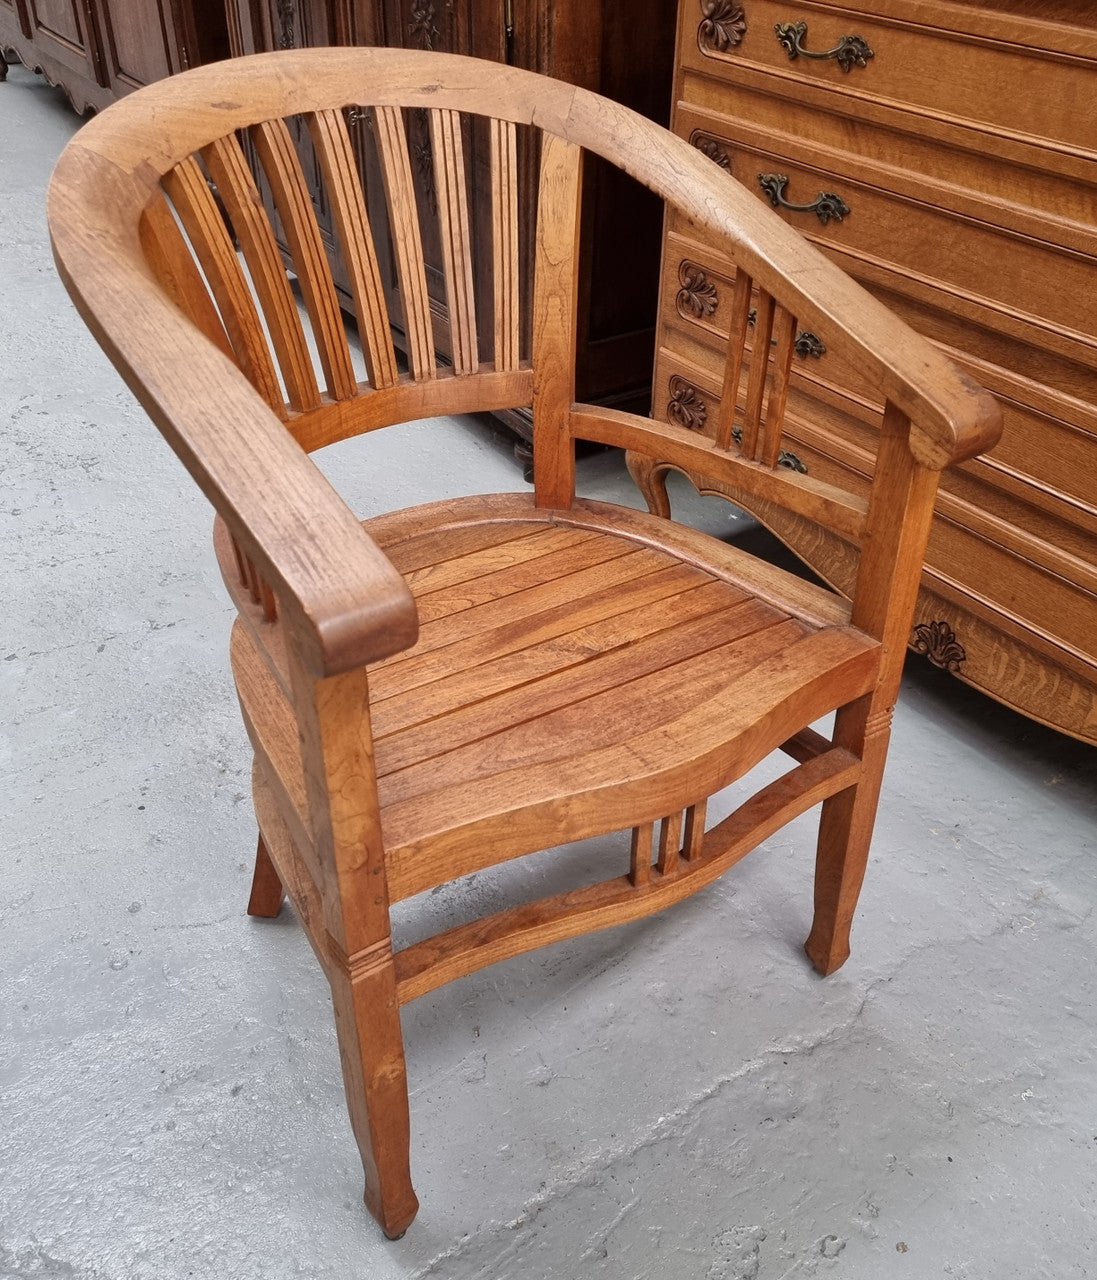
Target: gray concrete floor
681,1097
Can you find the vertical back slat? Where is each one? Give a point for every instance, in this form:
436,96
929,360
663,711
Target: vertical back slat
733,365
504,218
756,380
294,205
640,853
784,327
670,839
237,189
190,194
392,147
336,154
554,321
694,837
453,225
173,264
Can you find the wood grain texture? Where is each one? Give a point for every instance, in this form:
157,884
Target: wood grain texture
205,228
236,187
554,321
294,204
344,190
173,264
451,187
457,684
504,244
392,146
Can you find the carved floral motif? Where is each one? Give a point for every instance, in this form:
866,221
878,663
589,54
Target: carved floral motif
722,26
698,294
711,148
686,405
421,28
937,641
286,16
424,166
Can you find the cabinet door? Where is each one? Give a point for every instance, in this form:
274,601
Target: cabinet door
13,24
64,42
139,47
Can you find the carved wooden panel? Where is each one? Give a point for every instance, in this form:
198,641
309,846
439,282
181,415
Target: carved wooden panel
97,50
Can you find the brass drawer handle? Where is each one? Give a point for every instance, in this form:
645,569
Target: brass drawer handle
850,51
806,344
825,206
785,457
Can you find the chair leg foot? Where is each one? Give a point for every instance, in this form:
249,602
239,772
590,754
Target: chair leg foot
845,832
371,1049
267,890
825,961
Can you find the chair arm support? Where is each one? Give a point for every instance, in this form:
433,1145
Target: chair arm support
341,600
344,602
952,418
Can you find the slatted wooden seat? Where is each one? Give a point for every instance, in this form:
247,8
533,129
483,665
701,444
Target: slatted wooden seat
453,685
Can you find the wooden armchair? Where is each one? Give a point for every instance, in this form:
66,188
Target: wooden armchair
453,685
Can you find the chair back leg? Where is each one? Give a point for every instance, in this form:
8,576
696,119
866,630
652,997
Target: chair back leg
845,833
267,891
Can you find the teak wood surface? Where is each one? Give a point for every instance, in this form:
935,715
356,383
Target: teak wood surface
449,686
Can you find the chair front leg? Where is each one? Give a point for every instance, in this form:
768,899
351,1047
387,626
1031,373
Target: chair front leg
845,833
371,1048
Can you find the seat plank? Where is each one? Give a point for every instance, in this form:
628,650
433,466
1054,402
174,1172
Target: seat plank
390,679
608,719
437,545
487,560
552,569
530,703
698,746
546,595
482,674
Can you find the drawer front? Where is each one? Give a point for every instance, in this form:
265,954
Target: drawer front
1040,193
949,74
1024,281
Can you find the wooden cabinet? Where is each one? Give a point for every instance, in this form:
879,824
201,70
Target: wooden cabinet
627,55
97,50
944,154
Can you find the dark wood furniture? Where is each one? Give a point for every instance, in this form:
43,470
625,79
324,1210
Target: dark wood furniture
624,52
97,50
451,686
944,154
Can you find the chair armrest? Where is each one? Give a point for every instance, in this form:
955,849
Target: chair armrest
344,602
952,417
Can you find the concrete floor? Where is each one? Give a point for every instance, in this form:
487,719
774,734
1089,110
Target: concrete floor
680,1098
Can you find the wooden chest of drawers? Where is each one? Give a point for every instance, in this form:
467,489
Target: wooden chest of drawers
945,154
